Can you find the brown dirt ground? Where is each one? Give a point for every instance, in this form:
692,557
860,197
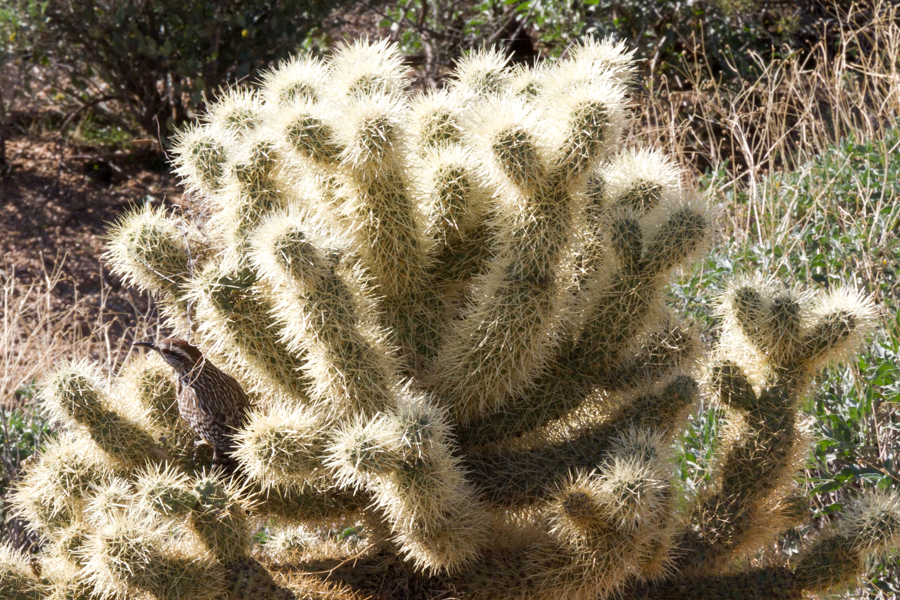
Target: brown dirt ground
55,206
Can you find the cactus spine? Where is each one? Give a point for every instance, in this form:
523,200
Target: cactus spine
448,310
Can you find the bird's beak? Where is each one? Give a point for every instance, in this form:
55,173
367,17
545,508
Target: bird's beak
150,345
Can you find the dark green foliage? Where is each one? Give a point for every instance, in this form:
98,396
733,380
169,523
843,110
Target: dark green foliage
21,433
667,34
161,59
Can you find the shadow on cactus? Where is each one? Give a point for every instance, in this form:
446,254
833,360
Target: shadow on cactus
448,310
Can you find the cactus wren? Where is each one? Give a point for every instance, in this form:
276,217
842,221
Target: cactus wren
212,402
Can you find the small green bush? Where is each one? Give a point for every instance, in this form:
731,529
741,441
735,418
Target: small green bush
158,60
22,432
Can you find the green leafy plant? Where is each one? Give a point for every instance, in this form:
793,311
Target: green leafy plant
22,433
156,62
449,310
669,37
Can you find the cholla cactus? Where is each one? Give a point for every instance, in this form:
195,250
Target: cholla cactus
448,310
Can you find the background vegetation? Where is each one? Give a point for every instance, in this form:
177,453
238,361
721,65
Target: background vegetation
785,114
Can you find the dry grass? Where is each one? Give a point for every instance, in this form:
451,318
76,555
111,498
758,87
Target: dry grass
36,333
793,112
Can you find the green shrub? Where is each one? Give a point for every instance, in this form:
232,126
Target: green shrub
158,61
711,37
22,432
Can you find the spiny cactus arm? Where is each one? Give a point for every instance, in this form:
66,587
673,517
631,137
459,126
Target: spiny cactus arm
154,253
480,74
380,214
17,579
376,202
793,335
58,565
511,331
521,477
297,81
347,361
671,347
768,332
51,494
65,548
455,266
637,181
436,123
307,136
556,394
592,59
563,388
251,190
832,562
237,110
623,304
234,315
838,324
201,155
75,395
129,557
599,529
365,68
451,199
453,204
870,526
300,110
757,463
589,117
405,460
282,446
630,187
106,499
606,528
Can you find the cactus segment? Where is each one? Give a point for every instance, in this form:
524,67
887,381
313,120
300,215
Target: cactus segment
74,395
16,577
347,360
201,155
296,81
282,446
236,110
236,315
151,252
